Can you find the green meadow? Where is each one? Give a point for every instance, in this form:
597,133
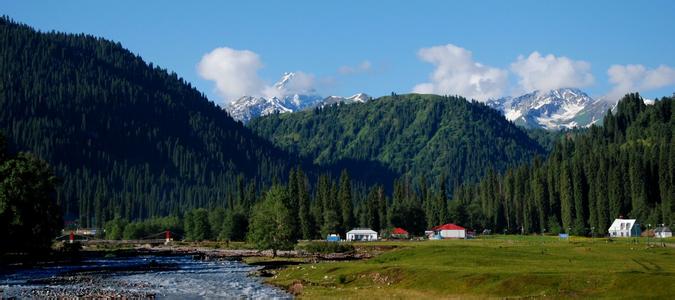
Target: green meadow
498,267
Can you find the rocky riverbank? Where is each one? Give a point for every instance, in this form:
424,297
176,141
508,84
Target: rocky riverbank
145,276
204,253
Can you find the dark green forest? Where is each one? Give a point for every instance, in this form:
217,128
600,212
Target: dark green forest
413,135
122,144
127,138
626,168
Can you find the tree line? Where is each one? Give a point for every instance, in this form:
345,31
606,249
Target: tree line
626,168
309,211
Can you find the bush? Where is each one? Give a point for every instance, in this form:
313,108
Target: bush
326,247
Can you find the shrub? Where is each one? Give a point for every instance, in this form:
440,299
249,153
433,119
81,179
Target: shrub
326,247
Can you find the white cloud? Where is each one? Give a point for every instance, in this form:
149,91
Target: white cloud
363,67
457,73
637,78
235,72
549,72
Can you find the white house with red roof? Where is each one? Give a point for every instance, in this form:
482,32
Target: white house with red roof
399,233
450,231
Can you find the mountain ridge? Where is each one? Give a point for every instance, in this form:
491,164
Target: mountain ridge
563,108
424,135
248,107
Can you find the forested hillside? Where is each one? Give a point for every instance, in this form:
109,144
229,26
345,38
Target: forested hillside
415,135
127,138
624,168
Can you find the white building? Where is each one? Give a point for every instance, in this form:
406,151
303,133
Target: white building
362,234
449,231
625,228
663,232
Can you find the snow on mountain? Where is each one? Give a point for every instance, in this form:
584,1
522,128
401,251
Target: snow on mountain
249,107
555,109
331,100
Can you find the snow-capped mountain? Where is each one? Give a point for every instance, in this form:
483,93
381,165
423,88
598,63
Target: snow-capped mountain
330,100
249,107
555,109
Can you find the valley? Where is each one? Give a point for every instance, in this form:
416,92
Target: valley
152,157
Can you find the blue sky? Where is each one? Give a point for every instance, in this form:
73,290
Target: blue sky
475,48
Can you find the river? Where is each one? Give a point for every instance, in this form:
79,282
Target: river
163,277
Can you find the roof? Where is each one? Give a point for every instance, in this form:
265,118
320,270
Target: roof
399,230
448,226
617,224
361,231
663,229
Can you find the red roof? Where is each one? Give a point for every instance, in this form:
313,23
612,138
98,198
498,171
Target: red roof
448,226
398,230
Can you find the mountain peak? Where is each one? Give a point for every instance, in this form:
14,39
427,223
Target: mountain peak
285,79
248,107
553,109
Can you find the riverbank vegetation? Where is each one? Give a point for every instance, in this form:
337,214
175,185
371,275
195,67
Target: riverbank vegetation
29,215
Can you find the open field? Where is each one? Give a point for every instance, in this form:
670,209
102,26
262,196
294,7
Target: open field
502,266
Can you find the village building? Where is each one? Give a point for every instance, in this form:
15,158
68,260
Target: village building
362,234
663,232
625,228
399,233
449,231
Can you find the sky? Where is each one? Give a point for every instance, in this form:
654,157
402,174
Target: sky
477,49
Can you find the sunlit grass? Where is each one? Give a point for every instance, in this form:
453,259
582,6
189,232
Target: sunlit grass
501,266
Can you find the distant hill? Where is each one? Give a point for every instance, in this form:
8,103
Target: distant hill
418,135
128,138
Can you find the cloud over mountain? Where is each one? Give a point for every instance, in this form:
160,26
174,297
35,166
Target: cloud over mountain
549,72
235,72
456,73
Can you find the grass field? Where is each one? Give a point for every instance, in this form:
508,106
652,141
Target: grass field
499,267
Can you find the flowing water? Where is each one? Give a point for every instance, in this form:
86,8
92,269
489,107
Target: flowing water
172,277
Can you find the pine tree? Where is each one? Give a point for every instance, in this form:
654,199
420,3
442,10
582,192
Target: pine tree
346,204
441,207
305,220
601,200
292,203
566,198
580,194
331,218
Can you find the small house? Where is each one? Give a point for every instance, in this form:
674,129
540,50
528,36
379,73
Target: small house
362,234
663,232
399,233
625,228
450,231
